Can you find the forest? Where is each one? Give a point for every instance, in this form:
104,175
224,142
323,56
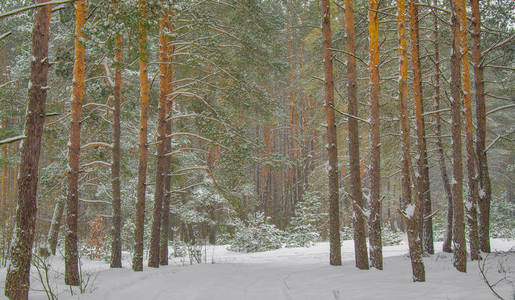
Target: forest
257,149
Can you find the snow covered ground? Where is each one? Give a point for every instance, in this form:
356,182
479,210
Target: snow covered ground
290,273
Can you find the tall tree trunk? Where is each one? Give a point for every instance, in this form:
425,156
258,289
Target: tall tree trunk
116,245
360,240
485,191
3,189
422,174
17,282
137,261
409,207
447,243
458,230
165,215
161,171
71,260
334,211
374,233
57,217
267,172
472,195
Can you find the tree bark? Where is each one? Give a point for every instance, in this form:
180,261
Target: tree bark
485,191
165,215
57,217
376,252
422,173
71,270
447,243
161,168
137,261
472,195
409,207
334,211
267,172
17,281
460,248
116,245
360,240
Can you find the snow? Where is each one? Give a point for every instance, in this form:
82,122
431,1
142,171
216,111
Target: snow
290,273
410,210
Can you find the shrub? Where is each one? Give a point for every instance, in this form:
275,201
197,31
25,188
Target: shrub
256,236
390,238
302,231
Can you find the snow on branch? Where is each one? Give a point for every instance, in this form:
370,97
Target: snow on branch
95,201
500,108
349,115
96,144
181,150
12,139
182,171
94,163
98,105
3,36
22,9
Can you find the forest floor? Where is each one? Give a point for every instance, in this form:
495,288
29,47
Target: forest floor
290,273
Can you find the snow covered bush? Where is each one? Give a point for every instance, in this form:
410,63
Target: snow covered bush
502,220
389,237
179,248
438,230
346,233
256,236
302,231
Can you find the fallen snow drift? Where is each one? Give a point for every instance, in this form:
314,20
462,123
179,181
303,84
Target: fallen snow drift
292,273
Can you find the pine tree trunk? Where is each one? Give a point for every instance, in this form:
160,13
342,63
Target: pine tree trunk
376,252
165,215
137,261
447,243
360,241
334,211
267,172
422,174
161,171
472,195
71,274
485,191
458,230
57,217
116,245
409,208
17,281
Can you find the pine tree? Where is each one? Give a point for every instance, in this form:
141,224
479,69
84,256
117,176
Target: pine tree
137,261
17,282
334,210
71,274
410,209
376,252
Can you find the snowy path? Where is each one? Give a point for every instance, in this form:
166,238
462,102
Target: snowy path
295,273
